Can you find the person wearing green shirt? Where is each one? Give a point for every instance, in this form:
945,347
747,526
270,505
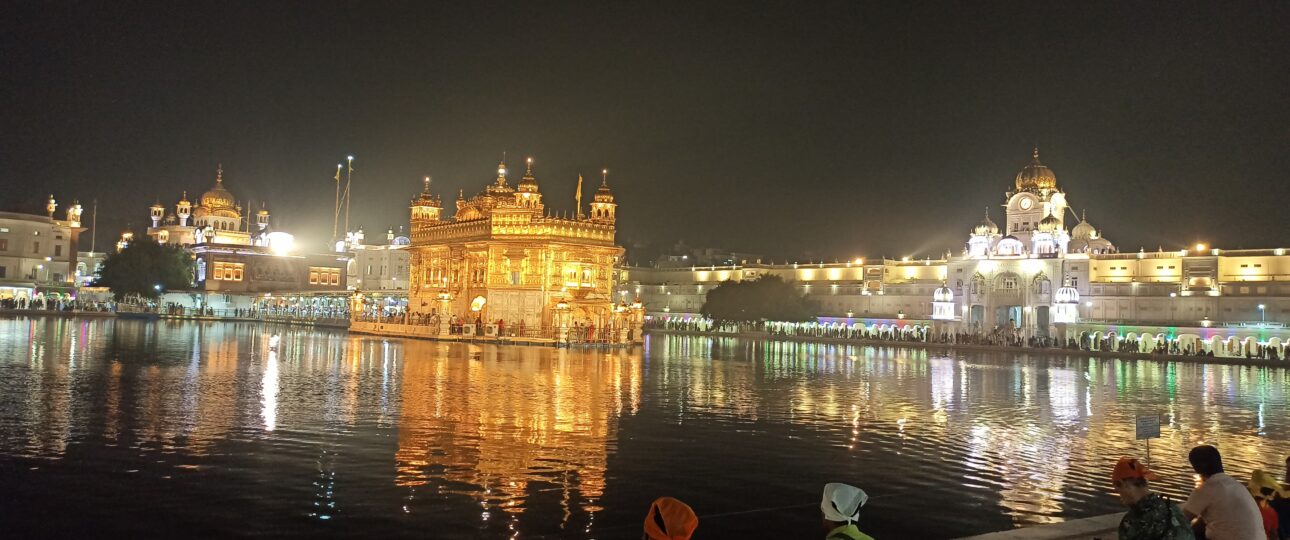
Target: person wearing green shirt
1150,516
840,508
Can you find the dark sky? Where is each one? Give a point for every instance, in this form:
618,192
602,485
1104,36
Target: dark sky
840,129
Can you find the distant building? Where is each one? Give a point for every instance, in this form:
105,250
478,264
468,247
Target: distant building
38,254
237,252
682,256
88,266
379,267
1033,277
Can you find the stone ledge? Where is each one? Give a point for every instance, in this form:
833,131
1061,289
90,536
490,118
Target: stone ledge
1099,527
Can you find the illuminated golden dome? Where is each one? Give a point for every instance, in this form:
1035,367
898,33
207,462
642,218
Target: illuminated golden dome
529,183
1036,176
218,198
603,194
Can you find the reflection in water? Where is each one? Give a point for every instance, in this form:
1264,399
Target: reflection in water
269,391
332,433
498,426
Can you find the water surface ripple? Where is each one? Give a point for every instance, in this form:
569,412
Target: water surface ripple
137,428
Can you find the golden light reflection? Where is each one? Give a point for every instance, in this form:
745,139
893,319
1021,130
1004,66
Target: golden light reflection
489,426
1034,436
269,392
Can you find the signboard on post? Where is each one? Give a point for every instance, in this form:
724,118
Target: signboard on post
1148,427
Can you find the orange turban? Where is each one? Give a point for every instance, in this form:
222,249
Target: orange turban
670,519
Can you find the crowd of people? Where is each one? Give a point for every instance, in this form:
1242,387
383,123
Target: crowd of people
1003,336
259,312
1220,508
56,305
178,309
583,331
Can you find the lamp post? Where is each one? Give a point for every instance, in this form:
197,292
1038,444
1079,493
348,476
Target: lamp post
562,321
1263,314
445,300
638,320
620,321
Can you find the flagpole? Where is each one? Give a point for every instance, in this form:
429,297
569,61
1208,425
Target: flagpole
335,212
578,197
94,230
349,176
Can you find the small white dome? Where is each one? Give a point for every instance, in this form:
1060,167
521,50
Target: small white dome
1084,230
1009,245
986,227
943,294
1066,295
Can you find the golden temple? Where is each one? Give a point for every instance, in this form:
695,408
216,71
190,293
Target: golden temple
503,256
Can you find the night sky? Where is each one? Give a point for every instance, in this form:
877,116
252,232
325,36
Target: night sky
797,129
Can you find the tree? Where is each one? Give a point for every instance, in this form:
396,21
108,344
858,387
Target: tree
768,298
144,264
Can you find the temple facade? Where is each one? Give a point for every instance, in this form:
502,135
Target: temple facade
1031,277
39,255
237,252
216,218
504,256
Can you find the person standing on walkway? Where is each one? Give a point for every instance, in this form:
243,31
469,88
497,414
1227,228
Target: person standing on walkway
1223,504
1150,516
841,508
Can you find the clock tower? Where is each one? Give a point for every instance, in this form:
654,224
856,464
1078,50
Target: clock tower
1035,199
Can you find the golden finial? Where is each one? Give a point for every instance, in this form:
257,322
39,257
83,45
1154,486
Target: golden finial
1035,154
427,185
529,170
604,177
219,173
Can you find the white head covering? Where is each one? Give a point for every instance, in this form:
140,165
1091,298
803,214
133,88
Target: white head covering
842,502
